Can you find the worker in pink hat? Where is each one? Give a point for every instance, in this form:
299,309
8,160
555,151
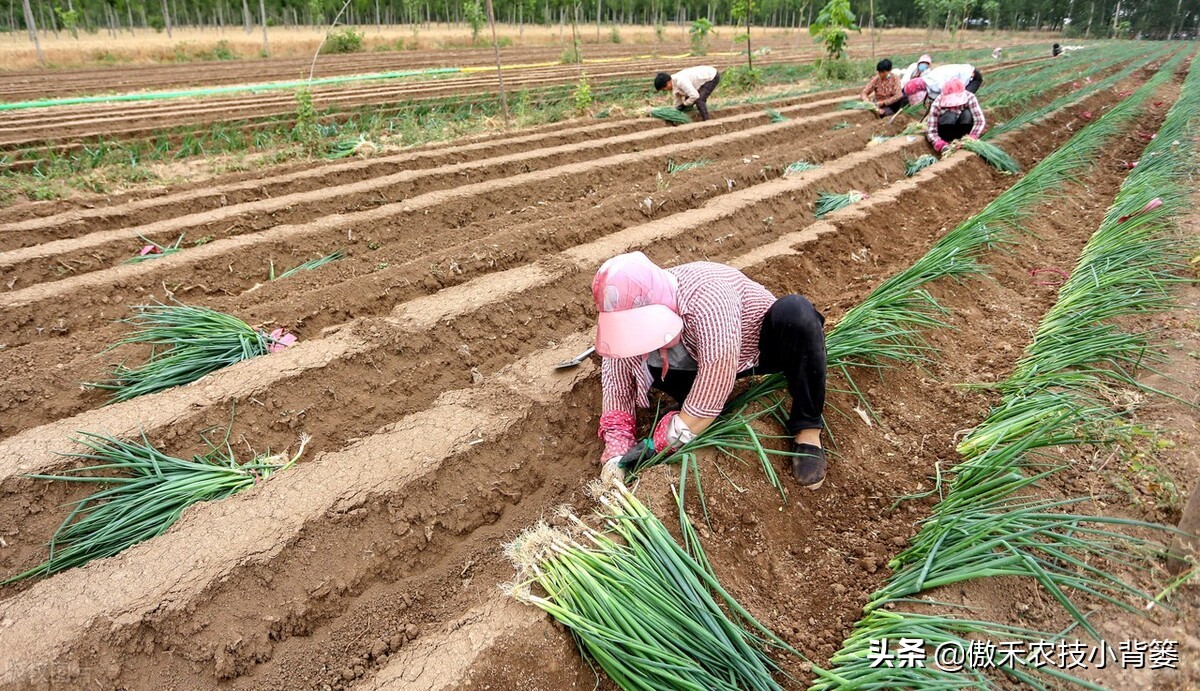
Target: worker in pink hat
916,69
954,115
929,85
691,331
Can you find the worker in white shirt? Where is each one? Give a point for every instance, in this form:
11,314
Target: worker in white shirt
691,86
916,69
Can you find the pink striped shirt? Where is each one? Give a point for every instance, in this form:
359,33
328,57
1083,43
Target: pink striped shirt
722,313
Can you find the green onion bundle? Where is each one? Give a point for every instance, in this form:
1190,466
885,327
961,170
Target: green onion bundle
147,494
799,167
912,166
671,115
775,115
153,250
652,615
995,156
306,266
828,202
673,168
189,342
858,105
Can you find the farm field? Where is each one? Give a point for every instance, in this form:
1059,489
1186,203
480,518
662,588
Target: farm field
440,430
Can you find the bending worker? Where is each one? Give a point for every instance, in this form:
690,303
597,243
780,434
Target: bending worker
691,331
691,86
929,86
954,115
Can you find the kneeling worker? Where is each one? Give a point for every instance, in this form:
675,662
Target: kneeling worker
691,331
691,86
954,115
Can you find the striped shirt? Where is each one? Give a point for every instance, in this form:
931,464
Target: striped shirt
722,313
936,110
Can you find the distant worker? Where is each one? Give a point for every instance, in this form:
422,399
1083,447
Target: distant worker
1055,50
916,69
954,115
929,86
692,331
691,86
884,90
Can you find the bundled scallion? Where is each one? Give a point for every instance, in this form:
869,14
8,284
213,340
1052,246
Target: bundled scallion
673,167
912,166
652,615
188,343
147,494
153,250
798,167
858,105
775,115
995,156
671,115
828,202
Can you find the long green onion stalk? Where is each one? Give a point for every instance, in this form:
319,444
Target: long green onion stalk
857,105
188,342
306,266
994,156
827,202
670,115
987,524
775,116
144,491
797,167
651,614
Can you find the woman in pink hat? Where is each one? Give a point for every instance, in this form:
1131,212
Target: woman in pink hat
691,331
954,115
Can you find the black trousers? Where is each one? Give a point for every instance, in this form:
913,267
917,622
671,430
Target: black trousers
975,83
894,106
705,91
791,341
954,125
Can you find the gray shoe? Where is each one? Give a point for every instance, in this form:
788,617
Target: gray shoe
808,467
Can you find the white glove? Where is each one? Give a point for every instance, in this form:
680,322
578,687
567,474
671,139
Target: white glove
678,433
611,473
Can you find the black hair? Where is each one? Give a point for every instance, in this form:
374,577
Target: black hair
660,81
884,65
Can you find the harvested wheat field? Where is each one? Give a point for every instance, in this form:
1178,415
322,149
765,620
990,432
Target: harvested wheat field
335,452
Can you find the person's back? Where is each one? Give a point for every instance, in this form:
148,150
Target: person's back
936,77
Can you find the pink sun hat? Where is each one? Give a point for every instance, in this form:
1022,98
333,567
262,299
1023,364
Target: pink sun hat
915,90
636,302
954,94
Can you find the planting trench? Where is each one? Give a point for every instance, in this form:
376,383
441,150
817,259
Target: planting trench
507,482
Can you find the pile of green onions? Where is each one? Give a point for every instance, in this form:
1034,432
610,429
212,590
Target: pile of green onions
652,615
146,492
670,114
828,202
189,342
994,156
916,165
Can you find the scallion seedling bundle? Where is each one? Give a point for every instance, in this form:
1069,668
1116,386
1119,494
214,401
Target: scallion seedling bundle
651,615
775,115
915,165
189,342
858,105
797,167
671,115
153,250
994,156
306,266
827,202
145,492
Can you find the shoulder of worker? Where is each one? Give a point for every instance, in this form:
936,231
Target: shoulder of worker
712,276
697,72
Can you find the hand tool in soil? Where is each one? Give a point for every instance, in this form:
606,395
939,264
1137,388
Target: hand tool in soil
575,361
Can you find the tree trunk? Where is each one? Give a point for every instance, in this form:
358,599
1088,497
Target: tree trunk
1171,31
1116,16
247,22
166,18
749,50
53,21
32,28
491,14
262,11
597,21
378,24
129,15
872,30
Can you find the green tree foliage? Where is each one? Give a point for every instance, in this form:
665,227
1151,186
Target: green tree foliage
833,26
698,35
